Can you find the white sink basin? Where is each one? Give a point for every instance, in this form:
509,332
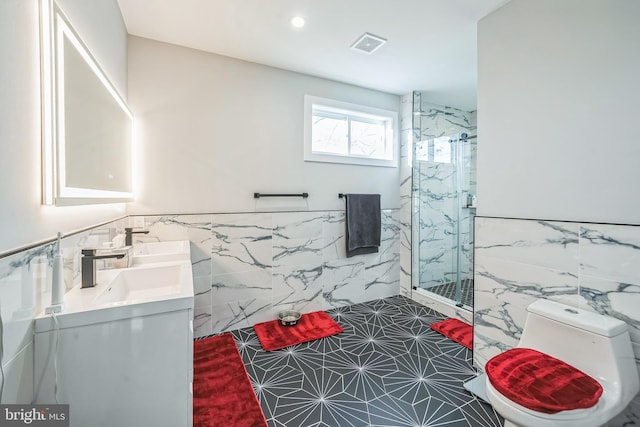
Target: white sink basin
153,252
136,284
140,290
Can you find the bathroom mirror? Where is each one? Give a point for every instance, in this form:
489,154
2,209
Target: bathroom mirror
88,128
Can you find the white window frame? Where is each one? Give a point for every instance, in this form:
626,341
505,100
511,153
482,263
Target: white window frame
354,110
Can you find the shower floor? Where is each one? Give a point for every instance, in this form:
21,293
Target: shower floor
387,368
448,290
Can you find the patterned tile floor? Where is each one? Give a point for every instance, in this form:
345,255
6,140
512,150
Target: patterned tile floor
388,368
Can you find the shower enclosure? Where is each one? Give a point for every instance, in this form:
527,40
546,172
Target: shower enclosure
444,203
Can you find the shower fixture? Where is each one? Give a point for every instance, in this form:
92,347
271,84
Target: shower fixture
463,137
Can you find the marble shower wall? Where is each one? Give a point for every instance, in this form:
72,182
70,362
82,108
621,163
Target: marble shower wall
249,266
591,266
25,291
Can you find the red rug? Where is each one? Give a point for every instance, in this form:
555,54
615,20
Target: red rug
222,392
311,326
456,330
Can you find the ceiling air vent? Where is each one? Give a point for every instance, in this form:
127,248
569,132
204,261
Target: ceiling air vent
368,43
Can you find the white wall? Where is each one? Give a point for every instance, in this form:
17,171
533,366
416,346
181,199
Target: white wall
22,218
216,129
558,110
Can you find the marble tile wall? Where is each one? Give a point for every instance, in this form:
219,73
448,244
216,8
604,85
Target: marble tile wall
591,266
25,291
439,120
249,266
246,267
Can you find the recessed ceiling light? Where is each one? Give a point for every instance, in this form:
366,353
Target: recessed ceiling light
297,21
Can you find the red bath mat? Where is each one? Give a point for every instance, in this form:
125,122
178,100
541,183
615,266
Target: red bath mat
311,326
222,392
456,330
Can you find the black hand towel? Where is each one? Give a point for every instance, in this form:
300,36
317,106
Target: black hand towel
362,223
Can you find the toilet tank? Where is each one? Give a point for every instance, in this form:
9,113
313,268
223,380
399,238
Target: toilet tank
597,345
577,318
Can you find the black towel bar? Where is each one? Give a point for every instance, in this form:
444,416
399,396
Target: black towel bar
341,195
258,195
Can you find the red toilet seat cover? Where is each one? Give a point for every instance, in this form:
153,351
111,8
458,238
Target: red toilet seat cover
540,382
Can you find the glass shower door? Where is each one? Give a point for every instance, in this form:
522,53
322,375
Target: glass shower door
467,210
441,183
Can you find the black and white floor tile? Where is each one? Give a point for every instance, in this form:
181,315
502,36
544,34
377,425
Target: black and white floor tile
448,290
387,368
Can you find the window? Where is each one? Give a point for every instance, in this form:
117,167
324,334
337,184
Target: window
436,150
442,150
339,132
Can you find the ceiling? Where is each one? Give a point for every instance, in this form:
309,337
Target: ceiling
431,43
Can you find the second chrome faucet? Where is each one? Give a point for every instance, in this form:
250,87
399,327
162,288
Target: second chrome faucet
128,235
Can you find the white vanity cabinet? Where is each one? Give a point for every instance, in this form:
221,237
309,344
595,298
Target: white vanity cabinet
122,364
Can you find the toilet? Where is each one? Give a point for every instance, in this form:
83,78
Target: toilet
571,368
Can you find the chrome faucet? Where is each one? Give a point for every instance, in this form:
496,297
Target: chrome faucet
128,232
88,265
